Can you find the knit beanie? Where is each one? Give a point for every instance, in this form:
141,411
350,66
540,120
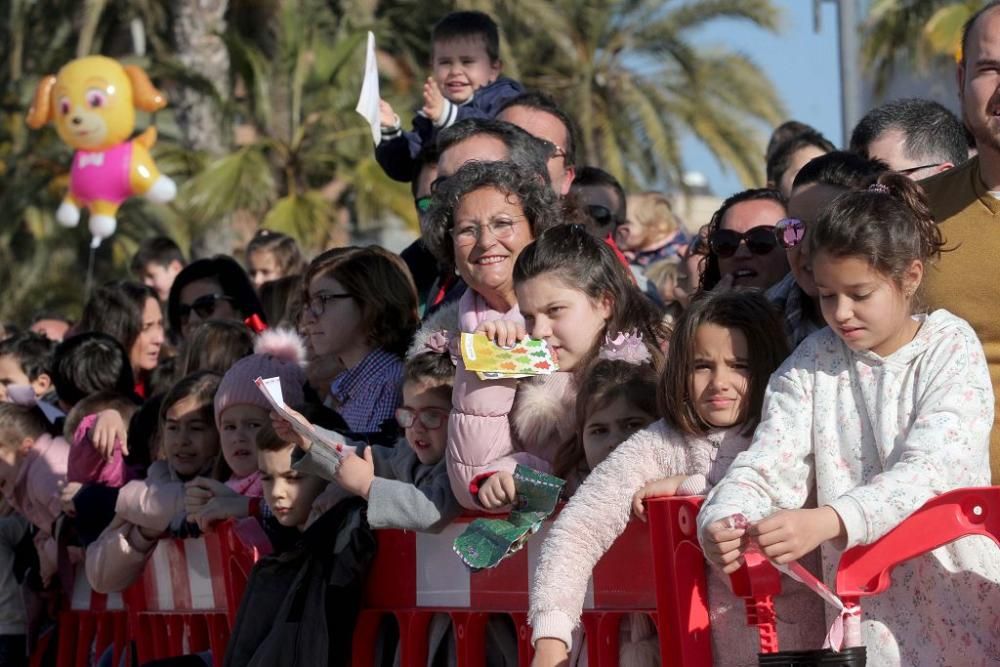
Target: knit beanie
277,353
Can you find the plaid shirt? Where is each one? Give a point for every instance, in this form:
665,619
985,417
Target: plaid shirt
789,298
369,393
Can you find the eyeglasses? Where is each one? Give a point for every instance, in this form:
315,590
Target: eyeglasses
316,305
760,241
789,232
907,172
602,215
430,418
203,306
467,234
423,204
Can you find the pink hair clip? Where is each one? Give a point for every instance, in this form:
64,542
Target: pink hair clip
627,347
879,188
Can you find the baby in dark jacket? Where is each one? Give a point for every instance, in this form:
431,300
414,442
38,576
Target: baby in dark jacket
465,82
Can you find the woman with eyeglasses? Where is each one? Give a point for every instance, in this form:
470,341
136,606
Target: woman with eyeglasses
816,185
742,248
215,288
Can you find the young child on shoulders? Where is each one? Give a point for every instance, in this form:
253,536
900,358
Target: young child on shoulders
149,509
156,263
882,411
709,399
406,486
360,306
241,410
272,255
465,82
572,292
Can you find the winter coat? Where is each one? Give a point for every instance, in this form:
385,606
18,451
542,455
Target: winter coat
300,606
405,493
601,509
877,437
494,425
399,151
119,555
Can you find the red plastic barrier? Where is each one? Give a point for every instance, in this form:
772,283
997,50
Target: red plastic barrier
188,595
416,575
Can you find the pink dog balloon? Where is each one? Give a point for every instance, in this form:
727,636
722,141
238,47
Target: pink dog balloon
92,102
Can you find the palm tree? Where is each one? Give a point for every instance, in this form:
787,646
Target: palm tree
922,32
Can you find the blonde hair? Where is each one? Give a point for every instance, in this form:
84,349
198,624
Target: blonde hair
653,211
660,272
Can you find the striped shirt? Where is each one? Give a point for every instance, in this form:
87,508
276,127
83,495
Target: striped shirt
369,393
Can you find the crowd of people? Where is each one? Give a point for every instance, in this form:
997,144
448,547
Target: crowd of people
820,359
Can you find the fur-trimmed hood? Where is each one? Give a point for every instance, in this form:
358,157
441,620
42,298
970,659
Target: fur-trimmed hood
444,318
543,417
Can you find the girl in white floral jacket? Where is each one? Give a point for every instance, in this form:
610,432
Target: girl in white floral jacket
875,415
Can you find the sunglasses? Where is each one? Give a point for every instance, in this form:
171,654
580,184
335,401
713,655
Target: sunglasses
602,215
431,418
760,241
789,232
203,306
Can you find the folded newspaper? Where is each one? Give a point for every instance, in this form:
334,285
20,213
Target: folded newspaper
271,388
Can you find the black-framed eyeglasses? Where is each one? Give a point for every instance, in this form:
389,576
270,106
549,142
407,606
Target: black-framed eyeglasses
431,418
423,204
602,215
316,305
790,232
760,241
204,306
907,172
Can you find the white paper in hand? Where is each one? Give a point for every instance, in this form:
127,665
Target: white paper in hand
369,98
271,388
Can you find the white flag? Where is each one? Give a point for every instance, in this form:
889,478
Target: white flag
369,98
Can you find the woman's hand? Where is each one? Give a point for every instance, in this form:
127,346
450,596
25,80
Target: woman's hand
356,473
109,428
497,491
789,535
504,333
550,652
657,489
724,546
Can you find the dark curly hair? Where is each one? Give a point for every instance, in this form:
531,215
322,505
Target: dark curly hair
539,203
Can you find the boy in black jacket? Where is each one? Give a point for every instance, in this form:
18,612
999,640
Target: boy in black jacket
465,83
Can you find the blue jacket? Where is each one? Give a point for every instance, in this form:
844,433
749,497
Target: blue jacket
399,151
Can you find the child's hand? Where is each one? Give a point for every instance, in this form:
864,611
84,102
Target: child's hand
657,489
724,545
497,491
219,509
355,473
789,535
287,433
550,652
505,333
201,490
108,428
66,495
433,100
386,116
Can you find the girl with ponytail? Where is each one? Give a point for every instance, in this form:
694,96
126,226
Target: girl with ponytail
881,412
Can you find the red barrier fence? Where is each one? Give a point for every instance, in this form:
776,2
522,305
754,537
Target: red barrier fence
190,591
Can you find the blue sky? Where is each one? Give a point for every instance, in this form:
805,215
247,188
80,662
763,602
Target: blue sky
803,65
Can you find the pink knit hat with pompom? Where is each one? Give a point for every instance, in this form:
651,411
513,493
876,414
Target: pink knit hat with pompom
277,353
